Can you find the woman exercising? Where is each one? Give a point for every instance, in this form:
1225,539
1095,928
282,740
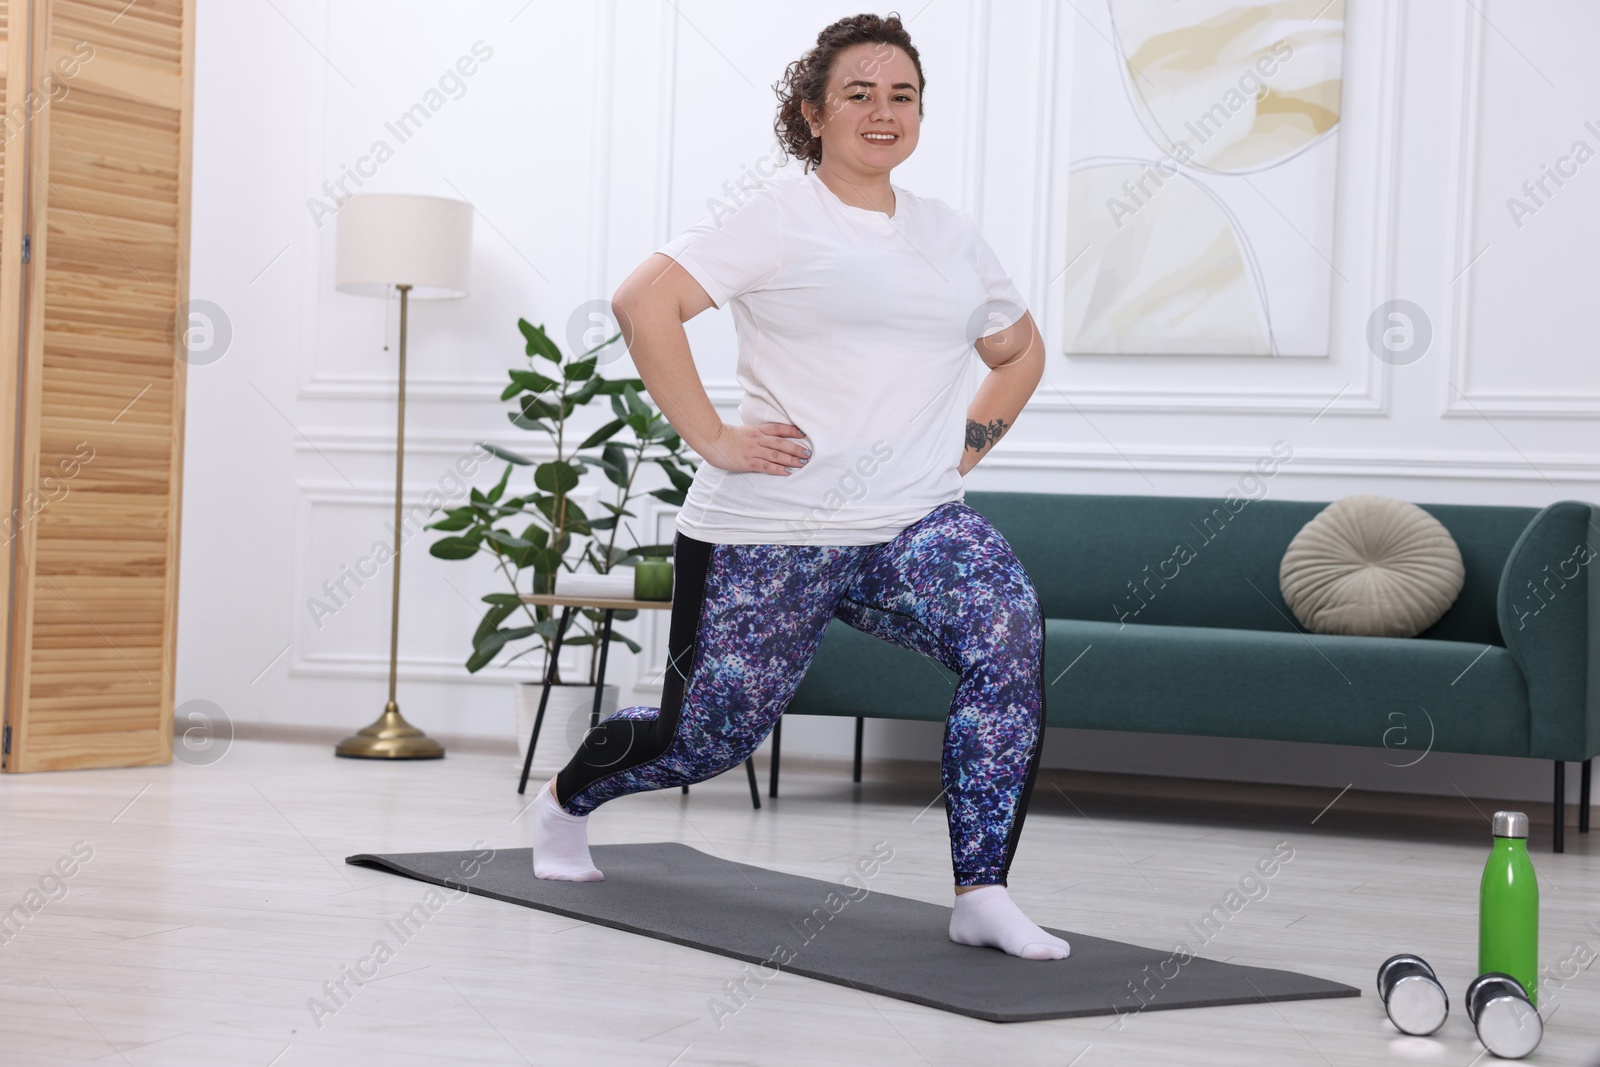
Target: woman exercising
857,305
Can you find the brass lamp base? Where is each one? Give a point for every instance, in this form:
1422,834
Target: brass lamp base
391,737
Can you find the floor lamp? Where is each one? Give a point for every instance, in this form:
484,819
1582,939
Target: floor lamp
420,245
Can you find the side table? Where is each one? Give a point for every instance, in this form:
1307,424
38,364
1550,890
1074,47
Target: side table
568,604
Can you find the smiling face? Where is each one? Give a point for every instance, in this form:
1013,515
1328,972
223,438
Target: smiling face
872,113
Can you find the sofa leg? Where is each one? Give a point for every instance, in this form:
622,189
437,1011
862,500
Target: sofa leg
1583,798
1560,806
861,722
777,745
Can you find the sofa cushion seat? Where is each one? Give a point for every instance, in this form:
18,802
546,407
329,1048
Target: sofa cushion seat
1404,694
1286,686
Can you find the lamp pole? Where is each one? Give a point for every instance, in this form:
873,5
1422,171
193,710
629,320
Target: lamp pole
391,737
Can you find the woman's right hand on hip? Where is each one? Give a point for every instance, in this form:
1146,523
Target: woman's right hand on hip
769,447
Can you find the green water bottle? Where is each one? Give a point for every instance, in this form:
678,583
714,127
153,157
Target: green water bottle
1508,906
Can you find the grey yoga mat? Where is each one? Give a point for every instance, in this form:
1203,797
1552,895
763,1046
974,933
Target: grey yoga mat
852,935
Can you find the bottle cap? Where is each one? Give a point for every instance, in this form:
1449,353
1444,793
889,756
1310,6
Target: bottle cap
1510,824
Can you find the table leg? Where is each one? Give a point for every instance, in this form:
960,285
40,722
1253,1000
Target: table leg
544,697
599,685
755,790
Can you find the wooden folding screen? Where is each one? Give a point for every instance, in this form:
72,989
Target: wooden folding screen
93,280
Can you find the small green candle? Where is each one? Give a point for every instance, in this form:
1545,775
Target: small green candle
652,579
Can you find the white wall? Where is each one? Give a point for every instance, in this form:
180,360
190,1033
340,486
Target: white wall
597,130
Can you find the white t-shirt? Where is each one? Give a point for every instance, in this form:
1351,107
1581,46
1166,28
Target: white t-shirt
857,327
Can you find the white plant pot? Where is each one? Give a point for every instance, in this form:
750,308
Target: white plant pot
566,717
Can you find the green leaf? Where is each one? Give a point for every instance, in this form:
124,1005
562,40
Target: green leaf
604,434
617,386
616,458
635,405
675,497
587,391
600,463
579,370
594,639
491,620
599,614
501,598
452,522
505,454
679,479
453,548
485,650
522,422
535,408
539,343
557,476
500,486
545,561
504,540
621,557
608,341
575,519
533,381
510,391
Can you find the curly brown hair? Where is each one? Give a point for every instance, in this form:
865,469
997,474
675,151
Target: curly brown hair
806,79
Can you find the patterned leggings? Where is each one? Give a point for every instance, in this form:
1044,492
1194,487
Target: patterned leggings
747,619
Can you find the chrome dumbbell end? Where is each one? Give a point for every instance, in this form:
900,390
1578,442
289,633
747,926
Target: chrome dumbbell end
1417,1004
1507,1022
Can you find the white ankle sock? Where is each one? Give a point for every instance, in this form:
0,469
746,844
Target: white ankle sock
560,841
988,917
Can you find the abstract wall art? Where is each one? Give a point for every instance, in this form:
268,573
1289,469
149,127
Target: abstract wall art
1201,193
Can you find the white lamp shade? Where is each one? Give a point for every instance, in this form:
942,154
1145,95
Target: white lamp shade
389,239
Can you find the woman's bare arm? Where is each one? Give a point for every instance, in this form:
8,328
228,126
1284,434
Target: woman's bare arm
651,306
1015,357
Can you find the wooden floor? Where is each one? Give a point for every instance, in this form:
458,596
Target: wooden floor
216,904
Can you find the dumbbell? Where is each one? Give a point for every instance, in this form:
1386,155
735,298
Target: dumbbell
1507,1022
1417,1004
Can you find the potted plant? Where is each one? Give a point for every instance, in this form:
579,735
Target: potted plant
557,535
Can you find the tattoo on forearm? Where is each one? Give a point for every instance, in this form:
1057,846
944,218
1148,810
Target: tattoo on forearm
980,436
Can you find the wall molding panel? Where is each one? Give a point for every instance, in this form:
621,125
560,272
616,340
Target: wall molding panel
571,199
1461,399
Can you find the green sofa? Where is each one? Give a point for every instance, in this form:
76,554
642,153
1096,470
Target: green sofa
1202,642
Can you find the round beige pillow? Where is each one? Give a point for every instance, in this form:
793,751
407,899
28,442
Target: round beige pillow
1371,565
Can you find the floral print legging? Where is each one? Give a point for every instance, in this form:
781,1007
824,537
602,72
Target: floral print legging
747,619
